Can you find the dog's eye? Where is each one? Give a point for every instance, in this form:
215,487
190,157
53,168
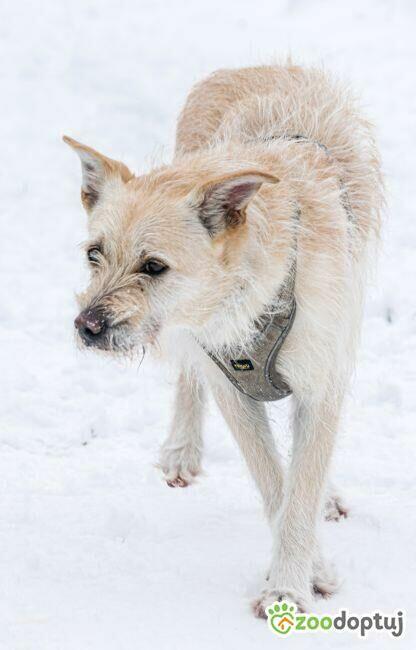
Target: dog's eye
93,254
153,267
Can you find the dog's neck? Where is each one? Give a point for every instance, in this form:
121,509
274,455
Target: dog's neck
251,290
257,293
252,369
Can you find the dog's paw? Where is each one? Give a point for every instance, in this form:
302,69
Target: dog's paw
335,509
325,580
180,465
303,601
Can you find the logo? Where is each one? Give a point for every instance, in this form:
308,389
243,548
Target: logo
242,364
283,619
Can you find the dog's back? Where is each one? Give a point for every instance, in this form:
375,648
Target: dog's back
271,102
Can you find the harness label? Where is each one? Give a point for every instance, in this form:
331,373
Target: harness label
242,364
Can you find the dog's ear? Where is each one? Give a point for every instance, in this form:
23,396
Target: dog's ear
96,169
224,199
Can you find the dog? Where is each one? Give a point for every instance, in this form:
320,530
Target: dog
275,183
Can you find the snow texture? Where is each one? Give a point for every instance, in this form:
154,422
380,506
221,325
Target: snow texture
96,552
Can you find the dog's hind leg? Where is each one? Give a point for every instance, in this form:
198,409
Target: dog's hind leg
295,547
249,424
334,508
180,454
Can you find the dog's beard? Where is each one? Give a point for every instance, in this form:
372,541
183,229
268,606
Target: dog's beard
124,341
120,341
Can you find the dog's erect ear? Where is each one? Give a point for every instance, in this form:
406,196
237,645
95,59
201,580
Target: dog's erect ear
225,199
96,168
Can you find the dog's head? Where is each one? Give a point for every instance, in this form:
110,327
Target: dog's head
162,247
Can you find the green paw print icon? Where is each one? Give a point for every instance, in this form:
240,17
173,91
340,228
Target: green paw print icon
281,617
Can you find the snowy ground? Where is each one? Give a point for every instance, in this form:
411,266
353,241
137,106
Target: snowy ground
96,553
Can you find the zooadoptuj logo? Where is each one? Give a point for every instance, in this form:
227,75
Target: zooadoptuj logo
283,620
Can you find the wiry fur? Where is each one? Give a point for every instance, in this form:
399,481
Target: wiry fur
229,233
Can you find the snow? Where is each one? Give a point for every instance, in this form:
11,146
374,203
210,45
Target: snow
95,551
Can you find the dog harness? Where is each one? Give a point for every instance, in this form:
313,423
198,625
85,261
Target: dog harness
253,370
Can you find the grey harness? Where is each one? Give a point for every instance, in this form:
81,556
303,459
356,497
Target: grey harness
253,371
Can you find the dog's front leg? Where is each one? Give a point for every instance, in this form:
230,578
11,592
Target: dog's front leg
295,557
249,424
180,455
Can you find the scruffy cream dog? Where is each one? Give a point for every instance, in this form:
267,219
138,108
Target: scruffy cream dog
275,179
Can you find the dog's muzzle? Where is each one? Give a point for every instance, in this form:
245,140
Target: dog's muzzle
92,327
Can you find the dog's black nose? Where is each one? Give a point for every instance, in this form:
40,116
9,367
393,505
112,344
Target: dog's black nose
91,325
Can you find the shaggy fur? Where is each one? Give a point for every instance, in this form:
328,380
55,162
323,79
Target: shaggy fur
242,199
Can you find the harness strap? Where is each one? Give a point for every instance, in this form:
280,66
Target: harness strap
253,372
345,200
